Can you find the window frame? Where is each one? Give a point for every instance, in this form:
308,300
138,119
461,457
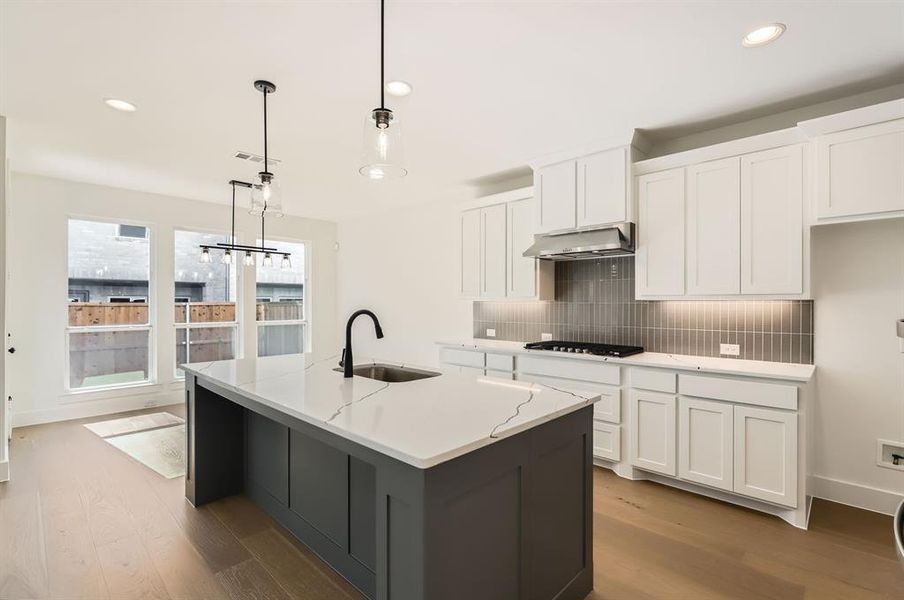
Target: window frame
150,326
307,305
187,325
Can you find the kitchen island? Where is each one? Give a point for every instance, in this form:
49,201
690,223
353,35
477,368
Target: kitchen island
452,486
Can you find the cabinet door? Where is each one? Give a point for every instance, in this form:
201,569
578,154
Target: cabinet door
660,240
555,187
705,444
653,431
602,188
772,231
765,454
713,227
493,249
470,252
860,171
606,441
522,271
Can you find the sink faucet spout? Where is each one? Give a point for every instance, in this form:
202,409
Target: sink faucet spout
348,362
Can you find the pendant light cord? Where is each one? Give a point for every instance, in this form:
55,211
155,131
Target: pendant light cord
382,76
232,241
266,163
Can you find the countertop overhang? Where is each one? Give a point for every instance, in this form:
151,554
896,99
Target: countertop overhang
422,423
681,362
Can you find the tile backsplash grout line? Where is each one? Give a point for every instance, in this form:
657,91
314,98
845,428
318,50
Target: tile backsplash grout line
596,303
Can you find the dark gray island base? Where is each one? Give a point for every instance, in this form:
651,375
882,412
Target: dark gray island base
509,520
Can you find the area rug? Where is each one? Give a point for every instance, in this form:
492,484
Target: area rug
156,440
134,423
162,450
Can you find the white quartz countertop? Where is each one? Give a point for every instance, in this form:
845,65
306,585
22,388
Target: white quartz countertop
681,362
422,423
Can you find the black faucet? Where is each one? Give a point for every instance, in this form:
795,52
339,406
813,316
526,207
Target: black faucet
348,362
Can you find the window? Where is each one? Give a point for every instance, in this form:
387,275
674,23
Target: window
205,307
108,344
133,231
281,310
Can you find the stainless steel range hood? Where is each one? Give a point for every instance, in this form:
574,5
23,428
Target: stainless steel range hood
615,240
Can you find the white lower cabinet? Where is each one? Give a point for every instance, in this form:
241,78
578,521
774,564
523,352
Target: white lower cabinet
705,442
653,431
606,440
765,454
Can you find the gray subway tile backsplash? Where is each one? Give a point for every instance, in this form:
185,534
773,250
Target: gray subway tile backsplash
595,302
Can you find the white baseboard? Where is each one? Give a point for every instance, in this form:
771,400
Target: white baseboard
95,408
855,494
4,471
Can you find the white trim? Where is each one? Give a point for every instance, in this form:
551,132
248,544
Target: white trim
500,198
631,137
96,408
4,471
867,115
756,143
855,494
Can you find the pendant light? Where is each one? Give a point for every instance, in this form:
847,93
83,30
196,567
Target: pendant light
286,262
382,157
248,259
265,192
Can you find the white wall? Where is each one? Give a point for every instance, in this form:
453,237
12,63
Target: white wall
39,209
404,266
858,285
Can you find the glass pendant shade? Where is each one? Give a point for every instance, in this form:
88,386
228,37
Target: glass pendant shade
266,194
227,258
205,255
268,260
248,261
286,262
382,157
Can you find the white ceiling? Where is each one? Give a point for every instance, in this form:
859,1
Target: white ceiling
495,84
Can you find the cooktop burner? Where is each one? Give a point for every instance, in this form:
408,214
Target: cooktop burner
585,348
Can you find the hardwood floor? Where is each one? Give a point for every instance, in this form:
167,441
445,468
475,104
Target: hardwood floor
80,519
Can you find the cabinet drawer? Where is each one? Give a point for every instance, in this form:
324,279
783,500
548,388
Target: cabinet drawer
606,441
583,370
743,392
500,362
464,358
654,379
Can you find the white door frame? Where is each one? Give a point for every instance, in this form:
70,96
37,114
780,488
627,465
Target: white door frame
4,409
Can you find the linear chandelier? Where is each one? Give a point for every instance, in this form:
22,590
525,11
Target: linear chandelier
249,251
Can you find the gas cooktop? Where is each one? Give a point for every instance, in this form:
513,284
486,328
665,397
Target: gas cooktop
585,348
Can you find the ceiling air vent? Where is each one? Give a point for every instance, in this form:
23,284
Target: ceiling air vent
256,158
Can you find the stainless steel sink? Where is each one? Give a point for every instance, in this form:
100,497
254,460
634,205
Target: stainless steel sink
390,373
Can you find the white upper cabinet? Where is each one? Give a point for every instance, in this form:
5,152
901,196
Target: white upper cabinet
493,240
493,251
470,252
660,243
522,272
556,189
772,226
713,227
860,172
602,188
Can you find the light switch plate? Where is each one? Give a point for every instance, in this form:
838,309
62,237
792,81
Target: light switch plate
545,337
491,333
730,349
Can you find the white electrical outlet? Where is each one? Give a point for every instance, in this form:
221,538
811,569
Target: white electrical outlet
545,337
491,333
730,349
890,454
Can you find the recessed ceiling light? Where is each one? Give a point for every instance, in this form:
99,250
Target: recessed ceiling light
120,104
398,88
763,35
